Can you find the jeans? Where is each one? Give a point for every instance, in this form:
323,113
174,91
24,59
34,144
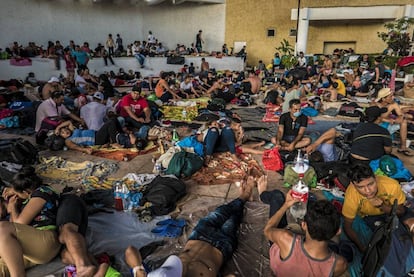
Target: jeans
220,142
142,133
140,58
219,227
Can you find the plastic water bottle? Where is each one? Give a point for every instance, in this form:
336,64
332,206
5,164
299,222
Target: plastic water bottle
118,197
301,165
125,197
158,168
299,191
184,113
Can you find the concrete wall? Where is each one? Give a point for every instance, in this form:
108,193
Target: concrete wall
248,20
84,20
45,68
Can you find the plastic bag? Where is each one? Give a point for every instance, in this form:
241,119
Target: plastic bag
272,160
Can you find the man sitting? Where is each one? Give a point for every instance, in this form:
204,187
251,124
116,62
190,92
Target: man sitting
371,198
288,251
292,126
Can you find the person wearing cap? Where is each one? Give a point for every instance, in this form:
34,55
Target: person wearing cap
53,107
51,86
94,112
135,110
394,118
210,244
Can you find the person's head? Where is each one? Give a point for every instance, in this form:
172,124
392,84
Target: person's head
294,107
373,113
378,59
135,92
164,75
363,179
301,54
55,142
385,95
65,132
53,80
58,97
25,182
322,220
98,96
200,31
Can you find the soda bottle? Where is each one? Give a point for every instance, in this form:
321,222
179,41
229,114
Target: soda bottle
175,137
118,198
299,191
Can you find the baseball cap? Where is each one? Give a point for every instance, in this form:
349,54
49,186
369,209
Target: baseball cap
382,93
98,95
374,112
53,80
172,267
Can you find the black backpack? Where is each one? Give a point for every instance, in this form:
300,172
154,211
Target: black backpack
18,151
390,251
351,109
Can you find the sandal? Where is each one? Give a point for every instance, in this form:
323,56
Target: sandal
405,152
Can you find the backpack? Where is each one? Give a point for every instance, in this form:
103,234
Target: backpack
184,164
18,151
351,109
390,251
48,124
216,104
163,193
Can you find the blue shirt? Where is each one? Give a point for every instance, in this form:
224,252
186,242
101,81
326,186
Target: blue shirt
83,137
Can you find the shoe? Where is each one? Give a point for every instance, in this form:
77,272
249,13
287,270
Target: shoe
405,152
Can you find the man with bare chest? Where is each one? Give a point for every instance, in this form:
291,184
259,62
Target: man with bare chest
211,243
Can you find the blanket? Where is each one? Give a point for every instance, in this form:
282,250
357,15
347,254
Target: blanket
273,113
222,169
123,154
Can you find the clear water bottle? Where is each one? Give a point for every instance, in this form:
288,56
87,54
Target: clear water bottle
184,114
301,165
125,197
158,168
300,191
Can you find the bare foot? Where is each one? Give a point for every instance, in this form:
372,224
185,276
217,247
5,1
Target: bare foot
86,271
246,189
262,184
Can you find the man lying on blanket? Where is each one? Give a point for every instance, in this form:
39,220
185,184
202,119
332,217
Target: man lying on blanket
109,134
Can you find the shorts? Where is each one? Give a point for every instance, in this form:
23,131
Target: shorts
289,139
328,152
72,209
392,128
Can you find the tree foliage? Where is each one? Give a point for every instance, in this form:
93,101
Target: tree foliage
288,58
397,36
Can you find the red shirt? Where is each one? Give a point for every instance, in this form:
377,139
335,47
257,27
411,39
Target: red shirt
137,106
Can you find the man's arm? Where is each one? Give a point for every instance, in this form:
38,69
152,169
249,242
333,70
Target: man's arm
147,113
282,237
276,140
77,118
352,235
132,115
73,146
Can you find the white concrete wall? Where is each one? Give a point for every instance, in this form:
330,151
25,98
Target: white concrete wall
83,20
45,68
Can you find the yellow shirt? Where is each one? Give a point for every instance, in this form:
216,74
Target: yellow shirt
341,87
356,204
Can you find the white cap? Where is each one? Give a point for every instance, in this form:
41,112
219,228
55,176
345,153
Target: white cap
172,267
98,95
53,80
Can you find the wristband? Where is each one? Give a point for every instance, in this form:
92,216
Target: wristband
137,269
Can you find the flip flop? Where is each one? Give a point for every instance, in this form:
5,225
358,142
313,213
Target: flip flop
169,231
405,152
174,222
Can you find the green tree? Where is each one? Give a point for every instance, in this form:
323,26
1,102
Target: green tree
288,59
396,36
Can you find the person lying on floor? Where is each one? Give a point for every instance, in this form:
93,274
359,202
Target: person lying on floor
82,140
210,245
321,223
30,237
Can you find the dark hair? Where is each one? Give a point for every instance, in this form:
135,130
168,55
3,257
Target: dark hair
164,75
57,94
322,219
360,172
55,142
294,102
26,179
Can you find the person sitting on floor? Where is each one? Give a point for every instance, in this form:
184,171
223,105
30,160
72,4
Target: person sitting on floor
370,140
371,198
321,223
292,126
210,245
394,119
94,112
163,90
30,237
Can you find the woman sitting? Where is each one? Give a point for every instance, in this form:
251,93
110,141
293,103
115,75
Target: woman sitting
30,238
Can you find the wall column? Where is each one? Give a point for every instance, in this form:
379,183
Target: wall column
302,31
